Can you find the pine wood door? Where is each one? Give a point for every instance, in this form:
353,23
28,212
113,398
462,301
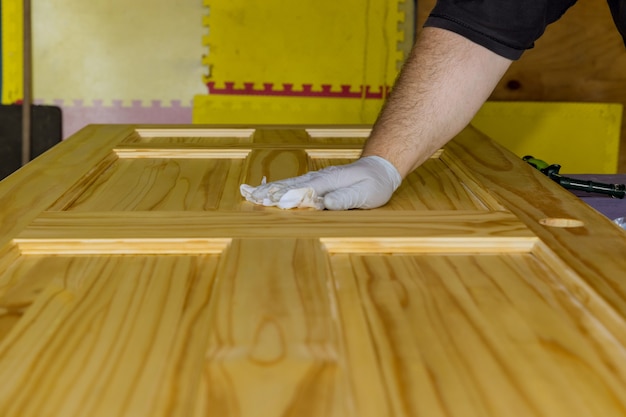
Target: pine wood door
135,281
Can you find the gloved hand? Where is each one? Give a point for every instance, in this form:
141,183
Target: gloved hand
366,183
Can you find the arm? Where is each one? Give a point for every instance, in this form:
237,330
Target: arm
444,82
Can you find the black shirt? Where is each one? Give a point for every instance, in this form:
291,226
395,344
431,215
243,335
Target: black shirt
508,27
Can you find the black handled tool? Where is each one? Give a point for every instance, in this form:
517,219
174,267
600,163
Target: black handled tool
552,171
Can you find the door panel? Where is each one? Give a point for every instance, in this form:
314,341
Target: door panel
448,330
274,316
135,280
433,187
155,184
114,325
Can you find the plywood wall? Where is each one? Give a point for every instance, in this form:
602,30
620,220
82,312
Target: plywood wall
580,58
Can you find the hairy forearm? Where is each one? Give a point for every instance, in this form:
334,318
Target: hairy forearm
444,82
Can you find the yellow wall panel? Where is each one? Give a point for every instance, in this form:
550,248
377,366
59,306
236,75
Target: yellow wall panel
12,51
225,109
312,61
312,42
582,137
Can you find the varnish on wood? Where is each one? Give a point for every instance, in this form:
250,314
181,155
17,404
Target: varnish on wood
136,281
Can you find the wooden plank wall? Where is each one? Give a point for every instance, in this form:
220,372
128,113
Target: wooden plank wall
579,58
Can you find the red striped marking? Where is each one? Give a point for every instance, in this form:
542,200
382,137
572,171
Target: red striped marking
307,91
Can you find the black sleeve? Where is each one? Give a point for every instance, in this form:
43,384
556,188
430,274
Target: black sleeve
506,27
618,9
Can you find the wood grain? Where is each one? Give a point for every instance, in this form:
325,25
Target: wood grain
193,133
180,232
274,164
110,344
145,184
28,192
135,280
339,133
274,335
436,185
594,251
444,346
185,153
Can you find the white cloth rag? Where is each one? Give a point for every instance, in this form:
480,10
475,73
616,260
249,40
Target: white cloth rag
294,198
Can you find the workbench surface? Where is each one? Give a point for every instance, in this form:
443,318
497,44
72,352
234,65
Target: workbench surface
610,207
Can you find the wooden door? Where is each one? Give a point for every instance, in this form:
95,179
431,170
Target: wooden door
135,281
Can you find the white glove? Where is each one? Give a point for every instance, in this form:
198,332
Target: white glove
366,183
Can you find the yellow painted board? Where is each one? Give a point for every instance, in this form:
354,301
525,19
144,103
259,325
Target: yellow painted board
316,42
225,109
582,137
12,51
